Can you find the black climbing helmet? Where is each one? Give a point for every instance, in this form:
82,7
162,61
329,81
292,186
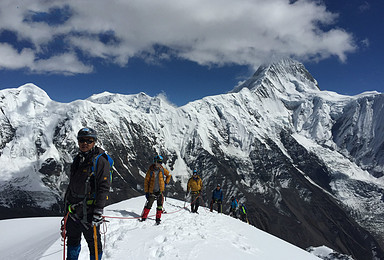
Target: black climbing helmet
87,132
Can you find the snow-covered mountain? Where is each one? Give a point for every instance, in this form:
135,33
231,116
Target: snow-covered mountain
182,235
307,163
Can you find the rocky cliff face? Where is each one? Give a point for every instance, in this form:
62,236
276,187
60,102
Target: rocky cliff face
307,163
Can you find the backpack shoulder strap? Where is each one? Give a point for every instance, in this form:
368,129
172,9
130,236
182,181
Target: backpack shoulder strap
94,165
110,161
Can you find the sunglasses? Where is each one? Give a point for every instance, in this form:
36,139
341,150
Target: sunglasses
88,141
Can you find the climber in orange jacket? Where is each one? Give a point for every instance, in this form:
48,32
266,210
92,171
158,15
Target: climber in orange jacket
156,179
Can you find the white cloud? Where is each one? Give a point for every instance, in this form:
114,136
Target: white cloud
10,58
214,32
67,63
364,6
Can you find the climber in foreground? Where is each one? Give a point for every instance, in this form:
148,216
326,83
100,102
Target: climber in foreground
156,179
194,186
86,196
217,198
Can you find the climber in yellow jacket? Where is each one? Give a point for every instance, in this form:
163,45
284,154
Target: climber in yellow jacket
194,185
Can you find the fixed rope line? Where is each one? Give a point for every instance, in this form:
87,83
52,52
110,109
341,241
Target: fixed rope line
153,215
184,207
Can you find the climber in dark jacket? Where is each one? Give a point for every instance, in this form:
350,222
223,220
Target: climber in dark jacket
86,195
217,198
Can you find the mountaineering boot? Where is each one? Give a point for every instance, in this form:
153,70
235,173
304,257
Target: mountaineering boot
73,252
145,214
158,216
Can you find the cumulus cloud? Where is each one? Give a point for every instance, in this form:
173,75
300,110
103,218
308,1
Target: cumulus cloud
214,33
10,58
66,63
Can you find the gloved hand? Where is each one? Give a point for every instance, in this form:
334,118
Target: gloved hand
97,218
147,195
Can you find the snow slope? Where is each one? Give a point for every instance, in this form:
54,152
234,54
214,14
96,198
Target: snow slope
181,235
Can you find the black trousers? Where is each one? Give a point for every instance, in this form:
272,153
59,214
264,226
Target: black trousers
195,198
219,205
74,230
233,212
158,196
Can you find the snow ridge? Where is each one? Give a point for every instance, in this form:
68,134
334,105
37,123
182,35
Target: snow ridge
181,235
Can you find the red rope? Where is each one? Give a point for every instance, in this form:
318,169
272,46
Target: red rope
122,217
64,233
203,202
148,216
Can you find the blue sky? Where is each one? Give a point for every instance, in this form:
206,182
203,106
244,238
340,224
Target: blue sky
186,49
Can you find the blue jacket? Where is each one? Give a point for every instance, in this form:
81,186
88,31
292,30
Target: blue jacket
217,194
234,204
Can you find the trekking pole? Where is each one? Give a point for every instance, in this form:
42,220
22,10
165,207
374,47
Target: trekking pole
95,240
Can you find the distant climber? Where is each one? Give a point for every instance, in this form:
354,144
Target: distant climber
217,198
243,213
234,206
194,185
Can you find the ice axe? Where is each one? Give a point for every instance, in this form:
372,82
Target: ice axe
95,240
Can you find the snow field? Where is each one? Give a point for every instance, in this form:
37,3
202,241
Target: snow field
181,235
